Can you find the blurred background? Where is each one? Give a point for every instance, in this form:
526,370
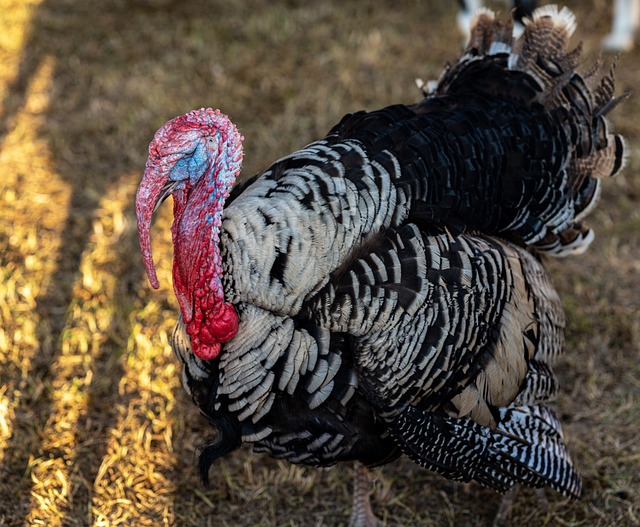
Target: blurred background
95,429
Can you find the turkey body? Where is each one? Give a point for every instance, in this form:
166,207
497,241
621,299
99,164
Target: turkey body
356,303
388,294
447,327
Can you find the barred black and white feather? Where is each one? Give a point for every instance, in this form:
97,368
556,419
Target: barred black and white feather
386,296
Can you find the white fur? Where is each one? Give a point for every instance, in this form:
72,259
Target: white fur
626,20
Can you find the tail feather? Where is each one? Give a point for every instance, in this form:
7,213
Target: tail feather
485,30
526,447
546,36
535,69
573,240
603,92
603,163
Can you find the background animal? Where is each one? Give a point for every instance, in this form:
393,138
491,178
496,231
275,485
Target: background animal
368,295
626,19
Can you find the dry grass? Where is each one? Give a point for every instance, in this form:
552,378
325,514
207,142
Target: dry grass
94,427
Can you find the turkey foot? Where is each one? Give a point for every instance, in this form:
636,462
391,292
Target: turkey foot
361,513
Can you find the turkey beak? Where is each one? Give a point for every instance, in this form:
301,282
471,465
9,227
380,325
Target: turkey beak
169,188
153,190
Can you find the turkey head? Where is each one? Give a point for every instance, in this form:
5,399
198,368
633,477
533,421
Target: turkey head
196,159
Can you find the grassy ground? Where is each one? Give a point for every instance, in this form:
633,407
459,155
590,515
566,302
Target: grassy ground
94,426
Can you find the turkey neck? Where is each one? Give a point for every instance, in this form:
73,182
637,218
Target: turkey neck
197,269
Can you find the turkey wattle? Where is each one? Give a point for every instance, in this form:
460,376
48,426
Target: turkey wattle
373,294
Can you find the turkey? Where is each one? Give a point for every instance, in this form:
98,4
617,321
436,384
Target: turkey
378,293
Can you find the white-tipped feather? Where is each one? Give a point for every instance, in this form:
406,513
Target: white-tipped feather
561,18
480,12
